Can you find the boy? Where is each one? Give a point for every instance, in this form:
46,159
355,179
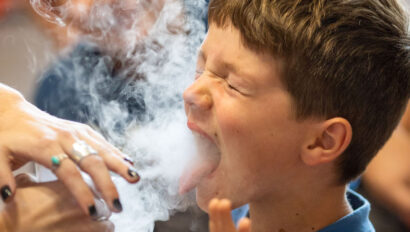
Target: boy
296,96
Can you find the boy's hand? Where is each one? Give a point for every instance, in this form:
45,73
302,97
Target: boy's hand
220,219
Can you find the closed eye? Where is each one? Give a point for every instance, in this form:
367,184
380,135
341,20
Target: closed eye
232,87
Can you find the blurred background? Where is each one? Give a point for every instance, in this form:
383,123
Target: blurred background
25,46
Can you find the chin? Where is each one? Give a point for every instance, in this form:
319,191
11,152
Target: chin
203,205
203,198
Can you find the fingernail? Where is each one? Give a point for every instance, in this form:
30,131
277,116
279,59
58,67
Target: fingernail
5,192
133,174
117,204
92,211
129,160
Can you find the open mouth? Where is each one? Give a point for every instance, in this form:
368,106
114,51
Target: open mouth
203,165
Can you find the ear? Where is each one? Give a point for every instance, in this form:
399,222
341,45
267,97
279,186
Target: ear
329,140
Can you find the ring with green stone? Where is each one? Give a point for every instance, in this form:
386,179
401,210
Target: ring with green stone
57,159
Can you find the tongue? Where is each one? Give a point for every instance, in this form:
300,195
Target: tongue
194,173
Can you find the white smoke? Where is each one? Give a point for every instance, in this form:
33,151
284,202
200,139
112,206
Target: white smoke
161,145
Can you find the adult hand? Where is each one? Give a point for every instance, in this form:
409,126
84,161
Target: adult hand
387,178
40,207
220,219
29,134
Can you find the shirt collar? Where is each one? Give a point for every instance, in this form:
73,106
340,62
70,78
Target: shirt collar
358,220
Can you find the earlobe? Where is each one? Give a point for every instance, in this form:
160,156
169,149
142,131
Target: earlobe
329,141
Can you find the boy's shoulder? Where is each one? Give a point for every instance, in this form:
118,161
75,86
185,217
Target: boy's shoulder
358,220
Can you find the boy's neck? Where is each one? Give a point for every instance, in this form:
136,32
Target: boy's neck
299,211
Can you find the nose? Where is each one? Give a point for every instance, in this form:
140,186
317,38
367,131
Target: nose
198,96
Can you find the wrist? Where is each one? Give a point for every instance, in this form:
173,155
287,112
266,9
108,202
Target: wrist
9,97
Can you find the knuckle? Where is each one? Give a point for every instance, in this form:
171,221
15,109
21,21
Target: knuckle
93,161
66,133
45,141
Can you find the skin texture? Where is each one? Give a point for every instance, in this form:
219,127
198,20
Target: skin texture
29,134
282,167
388,176
46,207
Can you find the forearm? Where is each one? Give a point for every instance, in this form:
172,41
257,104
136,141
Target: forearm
9,98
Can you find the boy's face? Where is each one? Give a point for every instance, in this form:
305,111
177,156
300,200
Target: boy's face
238,102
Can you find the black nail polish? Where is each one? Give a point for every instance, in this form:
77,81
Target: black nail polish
129,160
92,210
5,192
133,174
117,204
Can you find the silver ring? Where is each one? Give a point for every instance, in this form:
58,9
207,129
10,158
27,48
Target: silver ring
82,150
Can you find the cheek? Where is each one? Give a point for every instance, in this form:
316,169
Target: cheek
255,141
240,145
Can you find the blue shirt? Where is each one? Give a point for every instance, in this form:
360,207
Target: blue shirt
357,221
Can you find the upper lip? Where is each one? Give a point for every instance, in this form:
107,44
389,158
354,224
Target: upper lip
194,127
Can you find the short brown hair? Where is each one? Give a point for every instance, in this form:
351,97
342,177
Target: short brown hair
342,58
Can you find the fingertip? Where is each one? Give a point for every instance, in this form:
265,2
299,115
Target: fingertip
7,192
244,225
132,175
225,204
7,182
213,204
7,189
92,211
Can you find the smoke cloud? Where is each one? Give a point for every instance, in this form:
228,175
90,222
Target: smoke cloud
159,59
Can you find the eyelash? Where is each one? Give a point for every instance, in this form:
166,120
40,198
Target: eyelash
233,88
198,73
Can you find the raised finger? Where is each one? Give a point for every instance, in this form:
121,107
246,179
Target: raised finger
244,225
225,215
213,212
212,226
